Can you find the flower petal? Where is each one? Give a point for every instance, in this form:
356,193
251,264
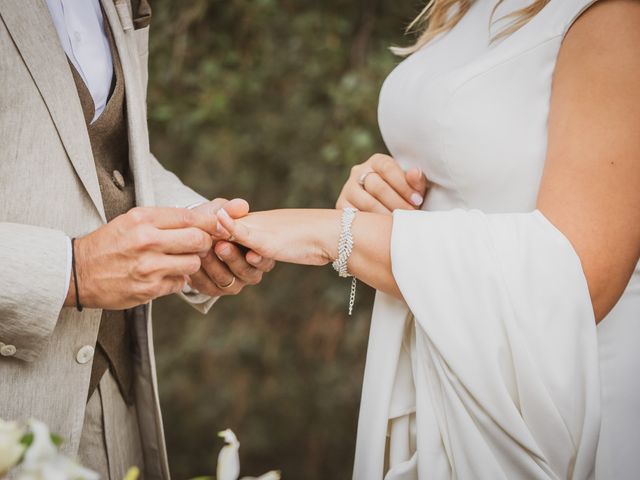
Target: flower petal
228,458
272,475
11,448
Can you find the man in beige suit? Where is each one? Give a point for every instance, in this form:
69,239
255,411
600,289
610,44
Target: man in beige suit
76,347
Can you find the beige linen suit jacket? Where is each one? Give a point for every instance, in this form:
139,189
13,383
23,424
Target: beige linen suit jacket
49,190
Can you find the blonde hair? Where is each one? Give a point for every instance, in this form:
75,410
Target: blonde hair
440,16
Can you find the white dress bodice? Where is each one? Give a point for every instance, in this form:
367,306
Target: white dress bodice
472,114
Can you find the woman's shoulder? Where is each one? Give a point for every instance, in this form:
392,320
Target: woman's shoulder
601,22
603,42
563,14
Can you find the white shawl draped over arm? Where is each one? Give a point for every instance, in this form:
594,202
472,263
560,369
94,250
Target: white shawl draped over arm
498,376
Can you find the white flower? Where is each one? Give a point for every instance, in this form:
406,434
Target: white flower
229,460
272,475
10,447
42,461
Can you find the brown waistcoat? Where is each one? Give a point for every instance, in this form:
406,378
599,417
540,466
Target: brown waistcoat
110,146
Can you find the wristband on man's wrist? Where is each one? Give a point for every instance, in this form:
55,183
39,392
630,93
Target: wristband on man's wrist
79,306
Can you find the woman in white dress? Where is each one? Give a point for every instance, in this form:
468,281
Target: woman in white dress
505,336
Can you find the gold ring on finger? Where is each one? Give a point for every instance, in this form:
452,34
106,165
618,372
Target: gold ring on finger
229,285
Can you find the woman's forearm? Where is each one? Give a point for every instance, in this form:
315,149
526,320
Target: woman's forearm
311,237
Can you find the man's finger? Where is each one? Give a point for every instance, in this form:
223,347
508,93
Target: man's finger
176,265
171,218
235,260
237,208
210,208
184,240
172,285
258,261
217,271
201,282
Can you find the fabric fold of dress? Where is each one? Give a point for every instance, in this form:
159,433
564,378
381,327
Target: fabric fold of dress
494,373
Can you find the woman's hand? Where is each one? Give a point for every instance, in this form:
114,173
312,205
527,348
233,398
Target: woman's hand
306,237
379,185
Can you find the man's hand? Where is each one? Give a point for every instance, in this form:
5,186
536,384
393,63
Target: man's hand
139,256
379,185
227,269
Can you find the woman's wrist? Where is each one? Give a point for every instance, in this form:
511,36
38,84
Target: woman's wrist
327,234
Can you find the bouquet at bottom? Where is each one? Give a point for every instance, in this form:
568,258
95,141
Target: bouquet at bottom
31,452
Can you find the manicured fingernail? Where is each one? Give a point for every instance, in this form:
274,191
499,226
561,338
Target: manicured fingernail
255,258
416,199
224,251
219,229
222,213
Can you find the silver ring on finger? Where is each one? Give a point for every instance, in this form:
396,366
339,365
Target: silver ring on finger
229,285
363,178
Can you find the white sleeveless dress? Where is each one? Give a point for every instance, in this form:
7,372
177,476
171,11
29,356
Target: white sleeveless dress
493,368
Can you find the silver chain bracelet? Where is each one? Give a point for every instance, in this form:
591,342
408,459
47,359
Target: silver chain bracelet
345,247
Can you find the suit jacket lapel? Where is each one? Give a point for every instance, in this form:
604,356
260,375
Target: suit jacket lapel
35,36
119,18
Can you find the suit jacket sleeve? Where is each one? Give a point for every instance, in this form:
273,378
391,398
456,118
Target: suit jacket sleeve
169,191
33,277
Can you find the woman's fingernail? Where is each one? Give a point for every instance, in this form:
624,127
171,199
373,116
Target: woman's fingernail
218,229
222,213
255,258
416,199
224,251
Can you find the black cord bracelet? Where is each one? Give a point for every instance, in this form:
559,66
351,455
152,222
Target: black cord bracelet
79,306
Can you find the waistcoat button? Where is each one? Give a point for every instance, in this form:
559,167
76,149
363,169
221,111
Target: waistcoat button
85,354
118,179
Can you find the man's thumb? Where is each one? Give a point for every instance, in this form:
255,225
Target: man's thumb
237,208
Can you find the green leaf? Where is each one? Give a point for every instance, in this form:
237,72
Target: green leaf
27,440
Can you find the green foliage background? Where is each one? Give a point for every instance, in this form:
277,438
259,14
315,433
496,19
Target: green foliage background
272,101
